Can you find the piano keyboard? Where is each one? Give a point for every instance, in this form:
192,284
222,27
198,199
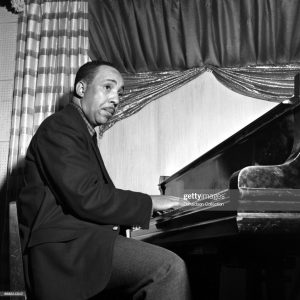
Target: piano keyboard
197,205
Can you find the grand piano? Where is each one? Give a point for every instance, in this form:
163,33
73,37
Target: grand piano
243,211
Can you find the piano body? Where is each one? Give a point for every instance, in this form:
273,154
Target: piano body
256,175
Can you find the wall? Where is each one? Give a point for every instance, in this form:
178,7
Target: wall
173,131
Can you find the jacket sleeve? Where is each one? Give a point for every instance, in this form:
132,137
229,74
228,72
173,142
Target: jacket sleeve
71,170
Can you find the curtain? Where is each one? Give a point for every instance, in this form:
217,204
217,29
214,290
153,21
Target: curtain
252,47
52,44
271,83
142,88
157,35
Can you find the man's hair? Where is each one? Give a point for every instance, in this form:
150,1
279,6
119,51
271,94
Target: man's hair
88,71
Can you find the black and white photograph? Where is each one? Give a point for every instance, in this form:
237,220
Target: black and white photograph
150,149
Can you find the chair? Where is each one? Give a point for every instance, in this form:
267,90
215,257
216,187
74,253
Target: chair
16,274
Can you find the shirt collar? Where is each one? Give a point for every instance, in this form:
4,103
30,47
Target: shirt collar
90,128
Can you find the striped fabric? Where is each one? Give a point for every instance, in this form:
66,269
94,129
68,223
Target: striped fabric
52,45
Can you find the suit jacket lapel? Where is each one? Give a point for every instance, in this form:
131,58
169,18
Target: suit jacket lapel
100,160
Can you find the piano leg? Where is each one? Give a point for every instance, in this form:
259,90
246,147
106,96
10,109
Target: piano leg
275,280
265,282
254,282
204,274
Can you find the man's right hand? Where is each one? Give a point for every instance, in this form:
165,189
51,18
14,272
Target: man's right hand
164,202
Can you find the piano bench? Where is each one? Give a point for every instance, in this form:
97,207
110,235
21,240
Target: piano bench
16,271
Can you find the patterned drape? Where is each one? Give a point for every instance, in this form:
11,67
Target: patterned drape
142,88
52,44
269,82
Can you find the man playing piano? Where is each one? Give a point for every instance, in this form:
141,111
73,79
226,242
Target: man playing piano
70,212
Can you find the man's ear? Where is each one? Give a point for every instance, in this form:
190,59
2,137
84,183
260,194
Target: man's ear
81,88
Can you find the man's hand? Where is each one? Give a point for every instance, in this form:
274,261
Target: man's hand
163,202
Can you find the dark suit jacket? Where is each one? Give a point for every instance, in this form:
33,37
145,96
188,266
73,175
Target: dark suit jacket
68,209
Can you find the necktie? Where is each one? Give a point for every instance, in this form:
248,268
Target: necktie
103,169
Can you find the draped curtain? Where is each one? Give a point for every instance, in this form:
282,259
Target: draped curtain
142,88
52,44
271,83
156,35
252,47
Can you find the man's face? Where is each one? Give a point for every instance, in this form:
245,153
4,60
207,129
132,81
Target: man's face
101,96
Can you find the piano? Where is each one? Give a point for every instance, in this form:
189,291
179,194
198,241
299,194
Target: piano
243,209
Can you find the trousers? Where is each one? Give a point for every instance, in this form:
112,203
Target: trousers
144,271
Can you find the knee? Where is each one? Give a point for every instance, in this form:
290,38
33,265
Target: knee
177,267
170,279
